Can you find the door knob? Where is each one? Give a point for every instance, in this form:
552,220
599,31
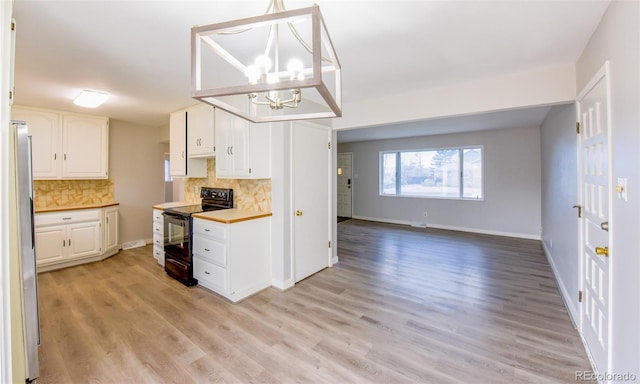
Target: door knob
604,226
602,251
298,213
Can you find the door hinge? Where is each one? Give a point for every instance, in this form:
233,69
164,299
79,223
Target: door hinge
329,244
580,296
13,25
579,210
249,170
578,127
329,145
10,95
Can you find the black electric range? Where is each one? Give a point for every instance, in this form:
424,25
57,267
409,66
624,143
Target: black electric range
178,232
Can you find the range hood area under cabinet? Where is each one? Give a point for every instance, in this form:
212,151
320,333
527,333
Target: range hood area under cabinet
66,145
242,149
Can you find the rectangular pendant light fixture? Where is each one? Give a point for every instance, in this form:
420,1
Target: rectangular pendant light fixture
276,67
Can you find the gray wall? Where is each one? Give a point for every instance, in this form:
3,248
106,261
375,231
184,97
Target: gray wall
136,158
560,223
511,203
617,39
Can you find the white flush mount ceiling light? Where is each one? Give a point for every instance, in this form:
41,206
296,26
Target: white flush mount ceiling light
90,99
276,67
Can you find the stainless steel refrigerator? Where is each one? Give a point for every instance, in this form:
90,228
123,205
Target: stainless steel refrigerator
24,183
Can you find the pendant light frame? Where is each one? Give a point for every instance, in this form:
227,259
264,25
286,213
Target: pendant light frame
202,38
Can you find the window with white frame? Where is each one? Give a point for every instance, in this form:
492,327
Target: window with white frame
454,173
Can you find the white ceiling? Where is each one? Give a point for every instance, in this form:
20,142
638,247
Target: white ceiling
138,51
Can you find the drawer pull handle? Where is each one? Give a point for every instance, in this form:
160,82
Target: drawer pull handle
206,273
207,230
207,249
66,218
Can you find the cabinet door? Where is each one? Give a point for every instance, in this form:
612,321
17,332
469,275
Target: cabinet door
83,240
240,146
51,242
110,229
44,127
178,143
232,136
85,147
200,131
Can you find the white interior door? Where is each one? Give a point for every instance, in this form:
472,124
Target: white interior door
311,201
345,183
595,145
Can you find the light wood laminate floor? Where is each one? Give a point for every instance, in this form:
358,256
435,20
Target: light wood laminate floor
403,305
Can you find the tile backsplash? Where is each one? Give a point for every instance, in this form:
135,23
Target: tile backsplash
247,194
70,193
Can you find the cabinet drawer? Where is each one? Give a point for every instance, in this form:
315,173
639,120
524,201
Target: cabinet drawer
210,229
158,252
210,250
157,215
158,240
209,275
67,217
157,228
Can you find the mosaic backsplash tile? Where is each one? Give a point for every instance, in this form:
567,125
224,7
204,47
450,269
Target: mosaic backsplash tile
70,193
247,194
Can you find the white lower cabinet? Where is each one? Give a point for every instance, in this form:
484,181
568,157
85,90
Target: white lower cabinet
66,238
158,236
233,260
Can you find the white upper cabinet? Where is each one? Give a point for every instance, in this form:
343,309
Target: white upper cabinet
66,145
180,163
84,143
200,131
243,148
44,127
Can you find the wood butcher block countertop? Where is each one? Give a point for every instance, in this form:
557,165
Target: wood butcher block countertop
76,207
173,204
230,216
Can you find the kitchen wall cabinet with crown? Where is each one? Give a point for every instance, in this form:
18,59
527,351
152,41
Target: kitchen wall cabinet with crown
66,145
71,237
191,136
243,148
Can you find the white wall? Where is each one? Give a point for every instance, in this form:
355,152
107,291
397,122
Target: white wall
540,87
511,203
617,39
136,158
560,225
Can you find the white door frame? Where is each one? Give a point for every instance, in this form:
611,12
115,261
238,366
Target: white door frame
603,73
330,188
352,183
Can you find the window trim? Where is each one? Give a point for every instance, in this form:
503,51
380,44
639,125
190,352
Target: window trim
460,176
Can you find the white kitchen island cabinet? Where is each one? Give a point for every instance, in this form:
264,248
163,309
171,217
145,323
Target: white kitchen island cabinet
66,145
243,149
70,237
233,260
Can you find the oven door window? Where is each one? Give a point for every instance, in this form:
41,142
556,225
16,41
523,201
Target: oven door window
176,236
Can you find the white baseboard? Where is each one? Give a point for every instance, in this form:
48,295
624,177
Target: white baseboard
282,284
574,313
453,228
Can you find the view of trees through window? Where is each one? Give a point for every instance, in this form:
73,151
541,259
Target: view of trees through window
449,173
